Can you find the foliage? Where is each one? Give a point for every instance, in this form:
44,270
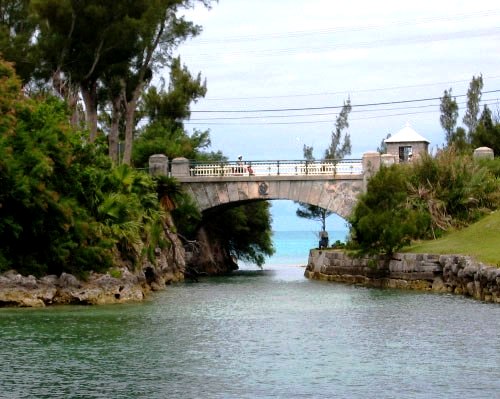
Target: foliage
382,148
186,215
423,200
62,207
381,221
245,231
481,132
340,146
173,103
456,188
449,114
313,212
338,245
101,53
308,211
16,31
473,103
459,141
487,133
165,109
42,230
493,165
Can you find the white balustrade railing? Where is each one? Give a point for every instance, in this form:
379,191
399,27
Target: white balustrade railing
277,168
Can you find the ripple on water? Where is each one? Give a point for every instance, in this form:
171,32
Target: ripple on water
267,334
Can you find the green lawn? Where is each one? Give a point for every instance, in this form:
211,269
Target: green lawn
480,240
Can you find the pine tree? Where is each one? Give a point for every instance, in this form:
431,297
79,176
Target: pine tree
449,115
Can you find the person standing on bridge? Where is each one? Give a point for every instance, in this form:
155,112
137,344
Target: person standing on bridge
240,164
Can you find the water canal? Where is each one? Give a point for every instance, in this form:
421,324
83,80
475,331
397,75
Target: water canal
257,334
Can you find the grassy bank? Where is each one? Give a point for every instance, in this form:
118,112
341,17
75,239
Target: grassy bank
481,240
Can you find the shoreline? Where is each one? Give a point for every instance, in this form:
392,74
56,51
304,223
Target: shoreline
457,274
99,289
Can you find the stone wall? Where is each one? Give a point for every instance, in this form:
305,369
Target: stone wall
338,194
440,273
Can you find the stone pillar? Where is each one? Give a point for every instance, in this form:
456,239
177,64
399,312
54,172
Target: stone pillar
371,165
484,152
387,159
180,167
158,165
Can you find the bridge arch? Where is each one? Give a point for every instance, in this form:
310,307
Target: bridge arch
337,195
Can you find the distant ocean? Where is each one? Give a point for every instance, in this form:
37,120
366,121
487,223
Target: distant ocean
292,247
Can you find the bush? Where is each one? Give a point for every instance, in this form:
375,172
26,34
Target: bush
381,220
422,200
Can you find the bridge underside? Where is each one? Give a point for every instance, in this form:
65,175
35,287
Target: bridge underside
336,195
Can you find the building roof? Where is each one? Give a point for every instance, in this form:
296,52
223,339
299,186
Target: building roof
406,135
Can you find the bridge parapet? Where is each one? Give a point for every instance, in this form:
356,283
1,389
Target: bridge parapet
330,168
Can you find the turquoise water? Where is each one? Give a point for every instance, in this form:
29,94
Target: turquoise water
292,247
257,334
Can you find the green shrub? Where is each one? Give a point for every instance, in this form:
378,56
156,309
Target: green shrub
423,200
381,220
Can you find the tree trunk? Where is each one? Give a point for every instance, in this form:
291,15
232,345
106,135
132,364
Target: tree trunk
73,106
114,133
89,94
130,108
69,93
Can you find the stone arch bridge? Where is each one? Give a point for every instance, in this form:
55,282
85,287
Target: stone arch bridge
329,184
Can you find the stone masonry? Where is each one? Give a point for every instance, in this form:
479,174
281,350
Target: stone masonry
440,273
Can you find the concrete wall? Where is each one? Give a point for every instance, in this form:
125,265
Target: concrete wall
441,273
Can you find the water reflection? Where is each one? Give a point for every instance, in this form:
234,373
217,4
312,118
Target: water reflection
256,334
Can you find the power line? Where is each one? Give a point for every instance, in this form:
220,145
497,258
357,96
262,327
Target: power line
483,102
347,91
334,106
344,29
331,121
307,122
367,44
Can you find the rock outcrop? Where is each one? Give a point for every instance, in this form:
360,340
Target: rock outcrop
124,283
208,257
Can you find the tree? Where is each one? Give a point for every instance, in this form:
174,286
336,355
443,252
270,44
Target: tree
382,148
60,194
487,133
80,41
165,111
116,46
313,212
17,28
460,141
308,211
308,153
42,180
473,99
244,231
161,32
422,200
340,146
449,115
381,220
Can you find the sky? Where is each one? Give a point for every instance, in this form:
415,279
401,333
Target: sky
278,71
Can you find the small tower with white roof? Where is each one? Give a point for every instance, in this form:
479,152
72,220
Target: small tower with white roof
407,144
